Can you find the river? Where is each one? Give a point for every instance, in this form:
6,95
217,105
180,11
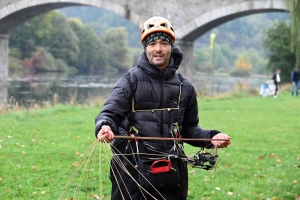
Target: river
41,88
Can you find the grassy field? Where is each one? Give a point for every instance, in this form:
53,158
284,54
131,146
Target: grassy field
37,147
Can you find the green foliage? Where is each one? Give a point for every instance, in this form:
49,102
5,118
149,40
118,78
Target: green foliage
22,38
49,36
15,64
64,42
203,60
277,45
243,35
294,8
101,20
93,55
38,146
50,42
242,67
136,52
120,57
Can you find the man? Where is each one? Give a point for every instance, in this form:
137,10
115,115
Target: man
153,101
295,76
276,79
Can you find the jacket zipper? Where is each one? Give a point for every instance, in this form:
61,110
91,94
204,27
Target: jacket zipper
161,105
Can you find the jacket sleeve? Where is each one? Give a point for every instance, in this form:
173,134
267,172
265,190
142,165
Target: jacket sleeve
292,76
116,106
190,127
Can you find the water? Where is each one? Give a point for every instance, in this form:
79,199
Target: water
30,88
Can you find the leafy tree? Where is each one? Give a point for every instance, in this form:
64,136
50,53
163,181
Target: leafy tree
243,63
203,60
101,20
52,32
277,45
31,34
294,7
258,62
63,42
242,67
92,55
42,60
21,38
120,57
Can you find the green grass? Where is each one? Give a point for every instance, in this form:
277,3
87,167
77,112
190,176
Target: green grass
263,162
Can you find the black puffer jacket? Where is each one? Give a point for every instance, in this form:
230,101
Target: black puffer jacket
157,93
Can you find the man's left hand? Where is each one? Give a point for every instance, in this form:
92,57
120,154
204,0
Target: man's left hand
223,140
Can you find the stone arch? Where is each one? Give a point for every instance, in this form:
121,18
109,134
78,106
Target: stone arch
10,14
213,18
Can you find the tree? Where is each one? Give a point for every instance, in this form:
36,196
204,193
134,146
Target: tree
243,63
50,32
203,60
294,7
277,45
93,55
242,66
116,40
63,43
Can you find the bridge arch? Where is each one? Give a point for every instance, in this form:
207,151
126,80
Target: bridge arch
213,18
10,14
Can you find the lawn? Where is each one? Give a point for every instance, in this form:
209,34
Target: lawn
40,148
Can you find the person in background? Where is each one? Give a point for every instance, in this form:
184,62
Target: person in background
295,76
152,100
276,79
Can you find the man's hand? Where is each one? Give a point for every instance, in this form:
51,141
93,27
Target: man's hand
221,143
105,134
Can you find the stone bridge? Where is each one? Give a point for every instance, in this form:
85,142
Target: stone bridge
190,18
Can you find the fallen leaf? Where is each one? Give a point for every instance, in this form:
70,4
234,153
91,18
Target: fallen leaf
278,160
230,193
217,188
273,155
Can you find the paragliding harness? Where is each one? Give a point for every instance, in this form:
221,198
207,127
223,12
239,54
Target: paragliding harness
159,168
158,165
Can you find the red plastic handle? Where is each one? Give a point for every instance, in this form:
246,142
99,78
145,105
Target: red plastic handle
160,169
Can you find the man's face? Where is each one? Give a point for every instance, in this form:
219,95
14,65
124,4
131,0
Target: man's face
159,53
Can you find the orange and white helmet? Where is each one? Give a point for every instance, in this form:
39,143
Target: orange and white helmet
157,24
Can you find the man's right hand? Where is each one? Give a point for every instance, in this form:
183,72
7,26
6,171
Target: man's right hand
105,134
